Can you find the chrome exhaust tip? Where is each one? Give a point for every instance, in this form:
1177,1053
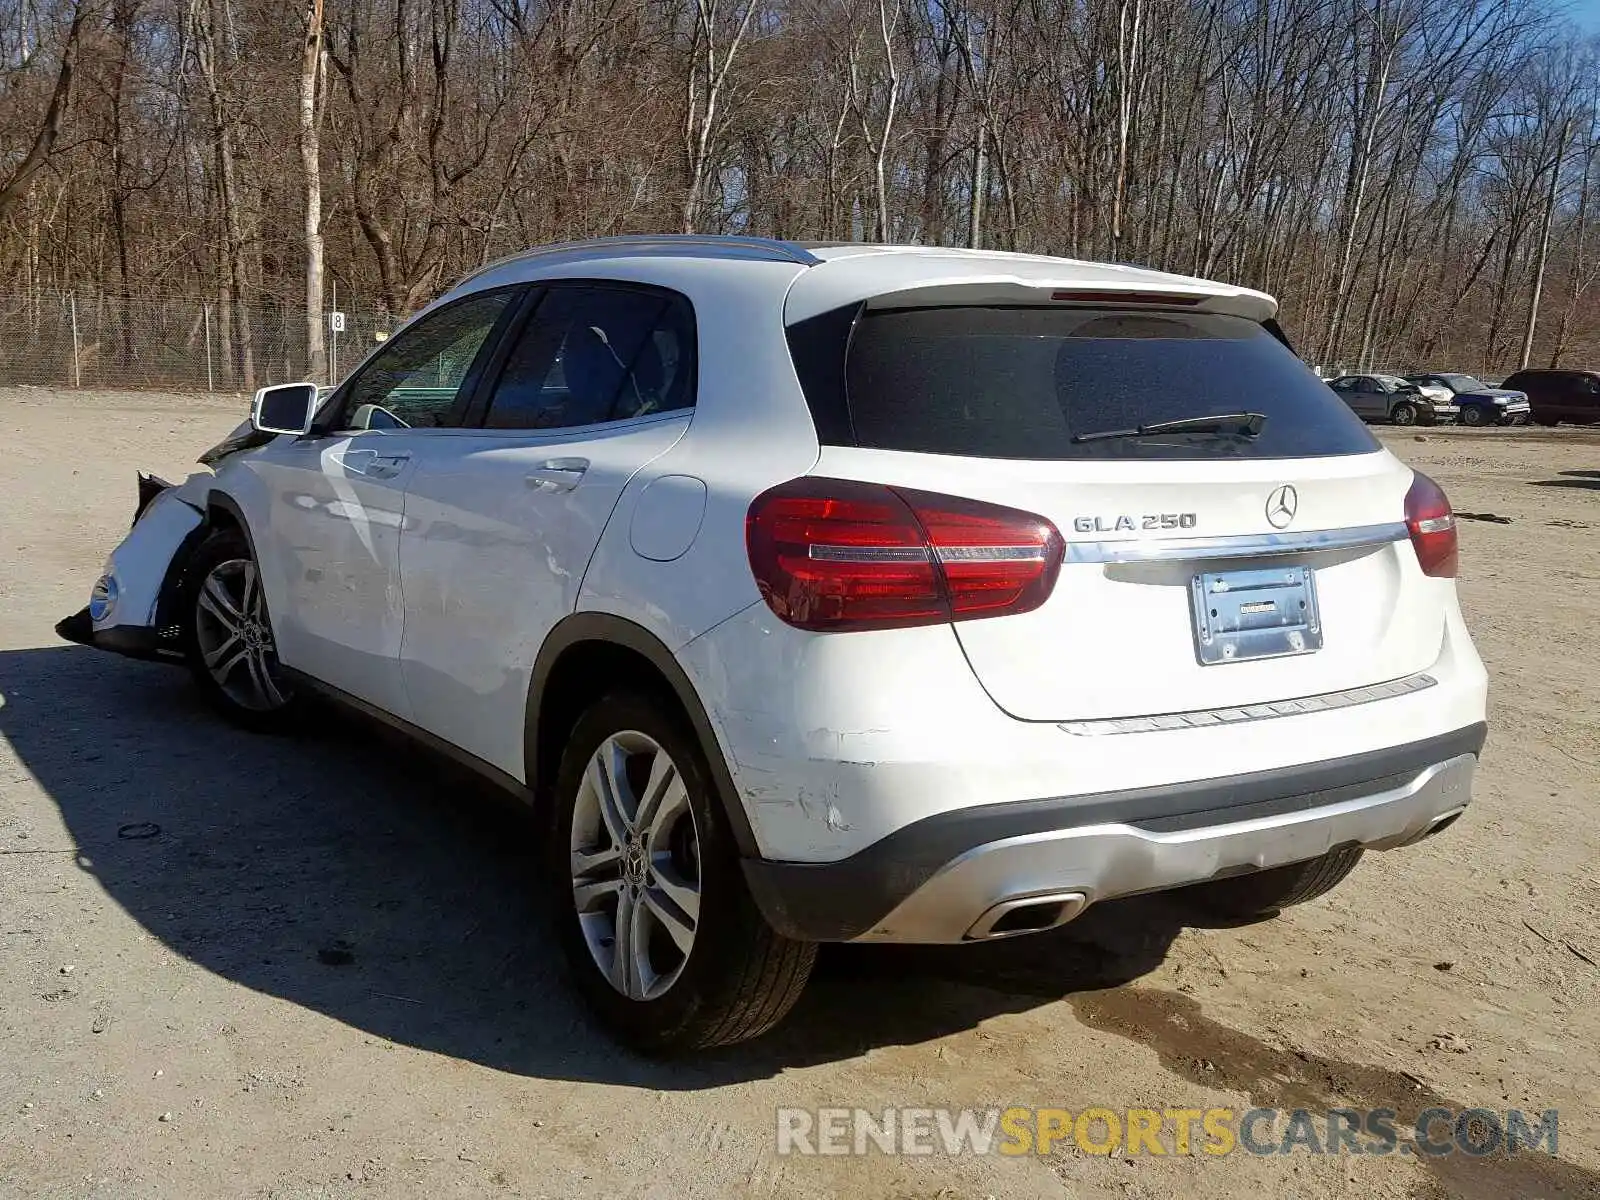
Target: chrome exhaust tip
1442,822
1027,914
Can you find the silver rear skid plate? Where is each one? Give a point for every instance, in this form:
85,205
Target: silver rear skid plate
987,891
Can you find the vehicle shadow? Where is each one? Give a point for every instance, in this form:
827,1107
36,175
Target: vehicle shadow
1571,479
349,872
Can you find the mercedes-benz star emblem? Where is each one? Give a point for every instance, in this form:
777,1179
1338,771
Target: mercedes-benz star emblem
1281,505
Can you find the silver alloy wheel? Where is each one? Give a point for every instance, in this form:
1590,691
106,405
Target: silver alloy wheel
235,637
636,865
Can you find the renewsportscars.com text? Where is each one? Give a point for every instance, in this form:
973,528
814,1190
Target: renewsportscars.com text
1476,1132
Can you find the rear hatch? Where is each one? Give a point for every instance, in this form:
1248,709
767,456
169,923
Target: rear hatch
1246,562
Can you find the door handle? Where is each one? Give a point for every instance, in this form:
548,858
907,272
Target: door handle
386,466
558,474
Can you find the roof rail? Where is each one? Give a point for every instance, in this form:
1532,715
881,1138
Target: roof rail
690,245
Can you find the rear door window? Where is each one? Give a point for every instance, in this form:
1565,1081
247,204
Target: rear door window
1023,383
593,353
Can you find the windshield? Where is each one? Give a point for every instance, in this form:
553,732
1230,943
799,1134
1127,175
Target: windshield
1024,383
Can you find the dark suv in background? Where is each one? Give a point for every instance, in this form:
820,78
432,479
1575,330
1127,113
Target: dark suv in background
1559,395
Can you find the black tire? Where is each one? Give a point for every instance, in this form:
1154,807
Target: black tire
739,977
1547,422
1263,893
229,546
1403,414
1472,414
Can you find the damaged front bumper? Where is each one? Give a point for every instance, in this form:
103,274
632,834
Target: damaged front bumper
131,608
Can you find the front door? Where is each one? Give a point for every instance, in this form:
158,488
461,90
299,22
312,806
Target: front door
330,544
501,521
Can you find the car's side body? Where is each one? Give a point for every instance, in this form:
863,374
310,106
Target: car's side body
1559,395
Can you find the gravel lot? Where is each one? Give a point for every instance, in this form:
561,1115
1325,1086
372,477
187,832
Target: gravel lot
167,1027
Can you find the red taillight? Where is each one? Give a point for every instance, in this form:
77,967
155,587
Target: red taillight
1432,526
837,554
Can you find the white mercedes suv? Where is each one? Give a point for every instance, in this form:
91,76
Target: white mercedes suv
822,593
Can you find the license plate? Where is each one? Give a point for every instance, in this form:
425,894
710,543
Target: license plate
1264,613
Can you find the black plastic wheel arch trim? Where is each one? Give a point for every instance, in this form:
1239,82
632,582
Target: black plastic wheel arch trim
604,627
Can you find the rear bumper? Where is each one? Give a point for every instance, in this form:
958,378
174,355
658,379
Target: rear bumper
947,878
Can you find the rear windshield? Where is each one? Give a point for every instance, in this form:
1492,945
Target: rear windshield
1023,382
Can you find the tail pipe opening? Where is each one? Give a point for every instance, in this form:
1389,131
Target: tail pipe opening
1027,914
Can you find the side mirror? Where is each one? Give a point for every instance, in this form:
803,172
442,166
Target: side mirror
287,408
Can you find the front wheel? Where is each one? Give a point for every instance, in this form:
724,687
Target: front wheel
228,633
660,933
1472,415
1403,414
1262,893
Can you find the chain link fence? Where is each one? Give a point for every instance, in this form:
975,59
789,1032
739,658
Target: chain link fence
183,344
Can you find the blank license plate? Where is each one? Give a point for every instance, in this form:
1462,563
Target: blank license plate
1265,613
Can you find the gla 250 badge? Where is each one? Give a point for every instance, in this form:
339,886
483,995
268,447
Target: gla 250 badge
1127,524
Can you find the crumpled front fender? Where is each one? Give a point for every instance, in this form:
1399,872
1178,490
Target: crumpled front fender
127,606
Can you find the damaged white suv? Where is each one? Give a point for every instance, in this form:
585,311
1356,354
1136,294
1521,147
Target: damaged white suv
823,593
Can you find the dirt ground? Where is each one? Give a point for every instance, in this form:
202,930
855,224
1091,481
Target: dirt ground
167,1027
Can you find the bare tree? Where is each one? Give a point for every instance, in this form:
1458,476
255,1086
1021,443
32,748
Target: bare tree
1415,179
43,146
210,47
870,85
311,68
712,51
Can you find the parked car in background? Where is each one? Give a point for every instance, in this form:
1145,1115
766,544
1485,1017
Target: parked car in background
1556,396
1479,403
1390,398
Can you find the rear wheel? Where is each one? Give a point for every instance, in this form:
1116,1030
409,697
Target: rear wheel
656,923
1403,414
1471,414
1262,893
229,640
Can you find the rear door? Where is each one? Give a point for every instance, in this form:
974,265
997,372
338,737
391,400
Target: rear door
501,522
1176,542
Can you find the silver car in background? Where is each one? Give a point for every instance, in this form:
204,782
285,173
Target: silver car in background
1395,400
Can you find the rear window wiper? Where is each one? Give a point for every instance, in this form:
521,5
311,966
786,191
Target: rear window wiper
1247,423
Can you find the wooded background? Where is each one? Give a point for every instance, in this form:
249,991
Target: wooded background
1414,179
